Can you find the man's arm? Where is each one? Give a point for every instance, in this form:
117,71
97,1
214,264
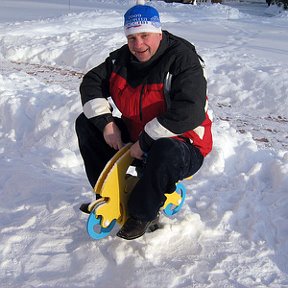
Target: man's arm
94,91
187,98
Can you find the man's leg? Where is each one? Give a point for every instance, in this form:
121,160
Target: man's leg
94,150
168,161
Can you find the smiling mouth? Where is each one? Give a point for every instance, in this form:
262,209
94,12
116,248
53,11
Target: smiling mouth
141,52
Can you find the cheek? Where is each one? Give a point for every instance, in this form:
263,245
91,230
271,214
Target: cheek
130,46
153,48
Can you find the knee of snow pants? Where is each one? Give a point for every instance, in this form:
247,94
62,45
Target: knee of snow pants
93,148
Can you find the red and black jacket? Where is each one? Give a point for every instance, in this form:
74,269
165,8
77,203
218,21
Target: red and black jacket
163,97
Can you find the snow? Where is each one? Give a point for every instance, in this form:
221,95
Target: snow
233,228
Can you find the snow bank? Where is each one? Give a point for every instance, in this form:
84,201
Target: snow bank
232,230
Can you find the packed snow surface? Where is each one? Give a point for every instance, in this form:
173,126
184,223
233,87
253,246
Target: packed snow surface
233,228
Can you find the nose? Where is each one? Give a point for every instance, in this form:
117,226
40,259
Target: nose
138,43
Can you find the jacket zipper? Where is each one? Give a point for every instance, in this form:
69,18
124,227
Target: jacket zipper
140,102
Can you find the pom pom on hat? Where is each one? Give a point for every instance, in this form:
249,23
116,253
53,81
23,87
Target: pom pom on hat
141,18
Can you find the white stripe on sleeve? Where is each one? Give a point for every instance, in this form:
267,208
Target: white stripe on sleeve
155,130
96,107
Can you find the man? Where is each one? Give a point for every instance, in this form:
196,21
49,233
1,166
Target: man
157,83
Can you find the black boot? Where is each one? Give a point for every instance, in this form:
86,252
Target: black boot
84,206
155,224
133,228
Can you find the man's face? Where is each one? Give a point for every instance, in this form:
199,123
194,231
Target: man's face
144,45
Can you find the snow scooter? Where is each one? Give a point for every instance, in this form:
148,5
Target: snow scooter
114,186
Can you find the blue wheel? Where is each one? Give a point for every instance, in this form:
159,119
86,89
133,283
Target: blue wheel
171,209
94,228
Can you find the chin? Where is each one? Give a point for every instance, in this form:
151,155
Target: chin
143,59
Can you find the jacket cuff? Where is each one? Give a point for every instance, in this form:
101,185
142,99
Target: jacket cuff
145,142
101,121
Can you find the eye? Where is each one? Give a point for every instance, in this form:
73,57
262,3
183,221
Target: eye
131,39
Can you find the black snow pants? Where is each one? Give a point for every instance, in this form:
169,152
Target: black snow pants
168,161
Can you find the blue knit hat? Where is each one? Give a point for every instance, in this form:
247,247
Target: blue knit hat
142,18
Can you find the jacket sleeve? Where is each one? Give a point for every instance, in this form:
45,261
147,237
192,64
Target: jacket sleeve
186,110
185,101
94,91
